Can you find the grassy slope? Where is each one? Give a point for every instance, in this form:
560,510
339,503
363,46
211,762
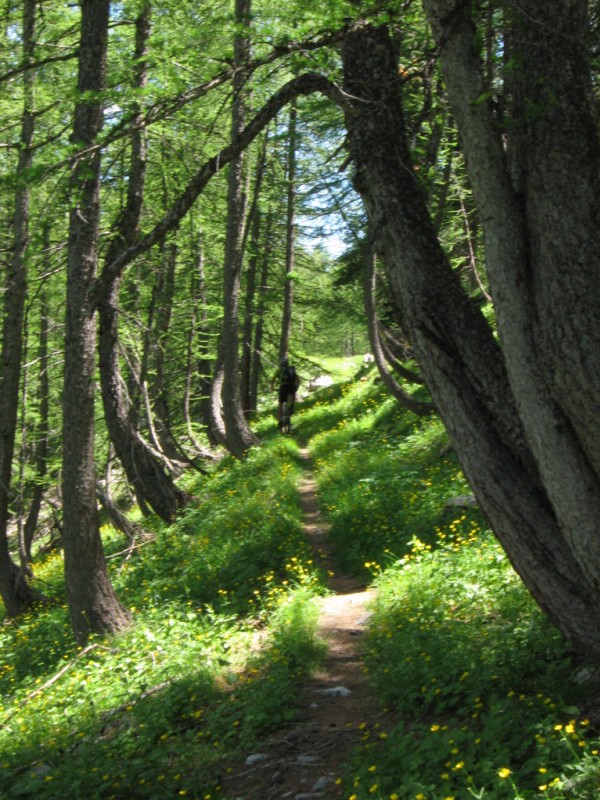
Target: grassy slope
481,685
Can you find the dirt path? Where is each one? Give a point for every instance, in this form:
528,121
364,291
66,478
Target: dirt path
303,762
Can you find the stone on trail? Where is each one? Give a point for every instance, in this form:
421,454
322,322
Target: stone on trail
255,758
335,691
304,760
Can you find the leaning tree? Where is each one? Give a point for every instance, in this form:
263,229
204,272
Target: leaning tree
521,409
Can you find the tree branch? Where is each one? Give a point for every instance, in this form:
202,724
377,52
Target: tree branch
306,84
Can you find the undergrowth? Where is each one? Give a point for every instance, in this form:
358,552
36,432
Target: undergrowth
480,696
223,629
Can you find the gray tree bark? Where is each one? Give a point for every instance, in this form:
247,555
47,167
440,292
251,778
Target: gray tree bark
145,471
239,436
93,604
542,236
487,397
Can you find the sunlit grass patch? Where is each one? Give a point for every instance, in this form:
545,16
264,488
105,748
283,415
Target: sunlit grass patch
483,684
385,477
234,543
223,627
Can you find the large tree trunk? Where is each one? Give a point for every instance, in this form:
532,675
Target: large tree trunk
462,363
546,315
93,604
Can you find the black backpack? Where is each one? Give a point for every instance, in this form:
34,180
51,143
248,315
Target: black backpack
288,376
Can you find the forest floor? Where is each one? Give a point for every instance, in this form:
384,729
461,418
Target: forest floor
336,708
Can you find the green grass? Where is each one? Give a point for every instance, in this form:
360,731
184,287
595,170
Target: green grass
157,711
480,691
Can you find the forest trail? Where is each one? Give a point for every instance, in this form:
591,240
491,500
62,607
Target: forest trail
337,711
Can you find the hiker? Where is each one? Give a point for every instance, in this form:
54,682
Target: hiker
288,382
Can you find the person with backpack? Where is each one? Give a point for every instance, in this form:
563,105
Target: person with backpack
288,382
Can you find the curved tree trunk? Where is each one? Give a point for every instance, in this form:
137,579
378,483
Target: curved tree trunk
520,266
404,398
144,470
146,473
462,363
547,316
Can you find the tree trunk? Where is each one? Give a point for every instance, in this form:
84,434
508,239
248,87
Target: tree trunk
145,471
239,436
93,605
249,314
256,365
16,592
462,363
404,398
158,386
547,316
203,334
290,236
42,427
254,221
24,437
217,430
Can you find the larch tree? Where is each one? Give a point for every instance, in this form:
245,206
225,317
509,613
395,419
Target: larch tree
519,410
93,604
239,437
290,235
148,475
16,592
